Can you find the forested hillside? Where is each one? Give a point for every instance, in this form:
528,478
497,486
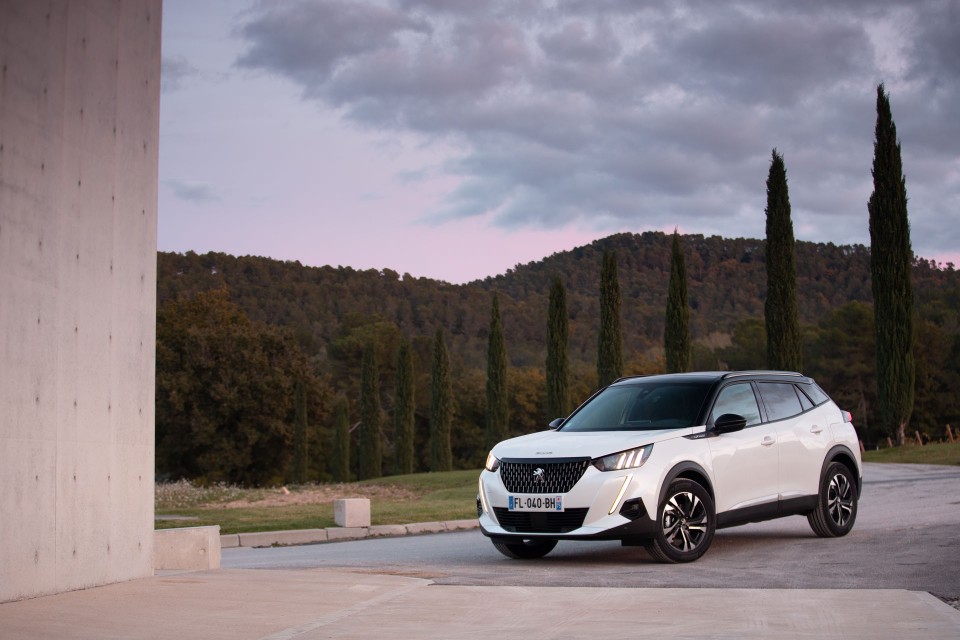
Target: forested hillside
330,313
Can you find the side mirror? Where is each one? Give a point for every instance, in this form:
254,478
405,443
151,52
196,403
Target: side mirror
729,422
556,422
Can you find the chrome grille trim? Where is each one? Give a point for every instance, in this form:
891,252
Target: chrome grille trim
559,474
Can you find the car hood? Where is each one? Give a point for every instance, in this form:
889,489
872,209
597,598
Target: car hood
580,444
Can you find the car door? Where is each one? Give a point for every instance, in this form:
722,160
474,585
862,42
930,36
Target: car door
745,463
803,433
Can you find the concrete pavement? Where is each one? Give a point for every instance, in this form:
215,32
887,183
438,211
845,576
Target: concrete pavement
322,603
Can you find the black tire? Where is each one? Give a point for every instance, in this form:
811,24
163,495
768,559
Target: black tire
686,522
837,500
528,549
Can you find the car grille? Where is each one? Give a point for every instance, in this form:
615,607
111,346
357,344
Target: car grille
537,522
557,477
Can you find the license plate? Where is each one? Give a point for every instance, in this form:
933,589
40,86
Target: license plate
535,503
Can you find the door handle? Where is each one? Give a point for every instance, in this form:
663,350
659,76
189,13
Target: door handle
816,429
768,441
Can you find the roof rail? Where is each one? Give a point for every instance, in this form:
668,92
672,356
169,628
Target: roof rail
762,372
622,378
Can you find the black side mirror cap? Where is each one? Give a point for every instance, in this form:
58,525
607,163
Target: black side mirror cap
729,422
556,422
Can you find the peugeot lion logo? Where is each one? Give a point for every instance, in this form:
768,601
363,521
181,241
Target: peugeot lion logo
538,476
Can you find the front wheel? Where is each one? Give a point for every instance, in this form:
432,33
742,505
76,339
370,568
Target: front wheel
686,521
836,509
528,549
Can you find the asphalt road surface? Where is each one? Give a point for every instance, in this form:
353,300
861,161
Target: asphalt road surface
907,536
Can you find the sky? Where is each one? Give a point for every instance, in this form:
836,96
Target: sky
456,139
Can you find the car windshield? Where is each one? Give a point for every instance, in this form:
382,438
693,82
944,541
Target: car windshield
641,406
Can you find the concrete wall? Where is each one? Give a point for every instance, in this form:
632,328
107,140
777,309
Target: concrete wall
79,127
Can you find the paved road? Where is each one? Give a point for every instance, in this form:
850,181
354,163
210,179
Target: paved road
907,536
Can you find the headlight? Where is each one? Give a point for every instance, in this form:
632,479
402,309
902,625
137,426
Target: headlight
630,459
492,463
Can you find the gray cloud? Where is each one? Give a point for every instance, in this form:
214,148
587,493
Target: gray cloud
192,192
618,114
174,72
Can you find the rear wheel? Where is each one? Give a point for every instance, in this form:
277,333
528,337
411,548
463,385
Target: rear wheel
686,521
836,503
528,549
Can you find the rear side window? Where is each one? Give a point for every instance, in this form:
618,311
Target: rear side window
737,399
780,399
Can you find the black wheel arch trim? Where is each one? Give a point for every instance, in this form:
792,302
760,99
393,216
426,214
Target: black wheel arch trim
842,453
679,470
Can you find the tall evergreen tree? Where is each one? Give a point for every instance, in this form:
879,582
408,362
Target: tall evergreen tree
891,257
558,364
441,407
300,453
610,351
370,451
497,414
341,442
784,342
403,415
676,333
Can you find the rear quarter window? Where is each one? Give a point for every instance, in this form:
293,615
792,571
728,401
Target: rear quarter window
815,393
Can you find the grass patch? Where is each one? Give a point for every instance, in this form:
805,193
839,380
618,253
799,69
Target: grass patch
423,497
933,453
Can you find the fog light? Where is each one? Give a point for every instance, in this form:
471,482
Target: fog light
633,509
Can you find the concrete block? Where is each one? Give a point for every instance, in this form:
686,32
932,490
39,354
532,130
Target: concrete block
351,512
385,530
187,548
426,527
347,533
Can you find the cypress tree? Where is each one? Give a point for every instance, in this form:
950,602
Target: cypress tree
891,257
676,334
441,407
610,351
497,414
784,343
558,365
403,416
299,475
341,442
370,455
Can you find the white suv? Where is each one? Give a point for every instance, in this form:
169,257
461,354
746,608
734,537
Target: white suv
663,461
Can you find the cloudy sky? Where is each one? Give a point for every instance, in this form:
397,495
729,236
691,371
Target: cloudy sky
455,139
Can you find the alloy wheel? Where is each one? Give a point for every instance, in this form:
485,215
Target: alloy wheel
840,499
684,521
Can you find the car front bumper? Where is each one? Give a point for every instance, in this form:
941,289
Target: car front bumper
616,505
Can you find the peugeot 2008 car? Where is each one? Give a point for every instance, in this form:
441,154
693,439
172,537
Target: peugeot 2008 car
663,461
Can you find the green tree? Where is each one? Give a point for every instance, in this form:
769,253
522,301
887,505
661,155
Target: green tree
558,364
746,349
890,259
341,442
403,412
441,407
676,333
784,342
843,351
369,444
497,413
610,351
224,392
300,445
